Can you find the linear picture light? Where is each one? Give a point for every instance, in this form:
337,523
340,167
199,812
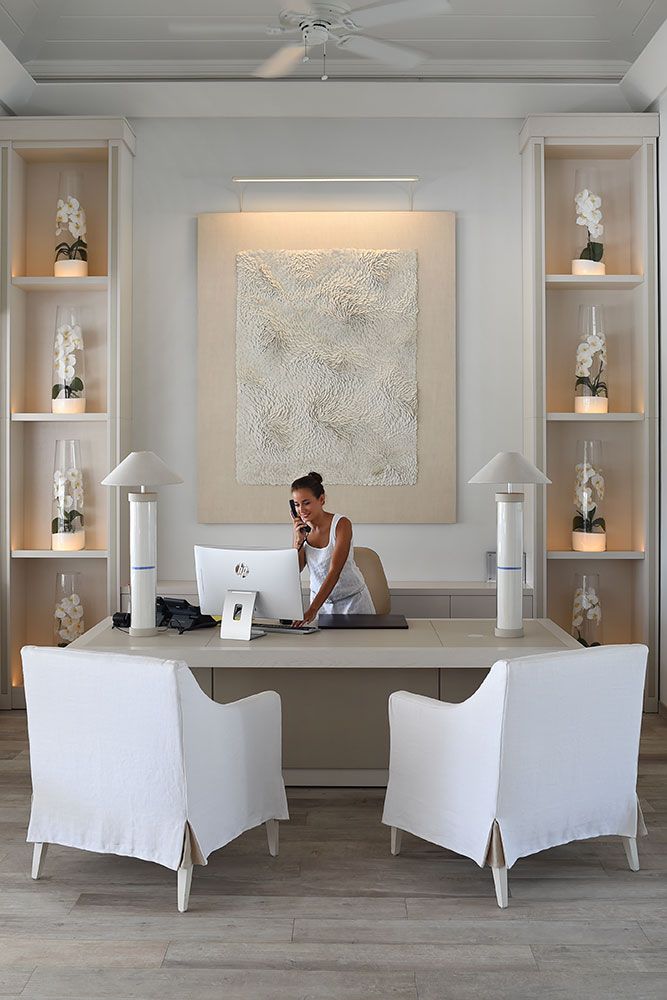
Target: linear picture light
324,180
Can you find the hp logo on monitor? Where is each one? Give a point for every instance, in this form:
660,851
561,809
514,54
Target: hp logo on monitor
241,570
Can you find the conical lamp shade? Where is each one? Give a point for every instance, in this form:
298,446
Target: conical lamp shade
509,467
141,468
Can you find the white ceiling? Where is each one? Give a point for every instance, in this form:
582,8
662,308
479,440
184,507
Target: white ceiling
504,39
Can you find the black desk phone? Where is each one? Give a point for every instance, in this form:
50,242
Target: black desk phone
171,612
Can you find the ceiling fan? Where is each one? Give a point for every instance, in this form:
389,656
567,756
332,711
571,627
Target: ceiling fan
332,22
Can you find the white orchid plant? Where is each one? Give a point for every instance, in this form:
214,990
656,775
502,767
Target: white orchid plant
592,353
585,608
68,501
71,221
589,214
588,492
67,383
68,615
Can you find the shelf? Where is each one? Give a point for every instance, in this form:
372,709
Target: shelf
93,283
584,282
56,418
588,418
50,554
609,554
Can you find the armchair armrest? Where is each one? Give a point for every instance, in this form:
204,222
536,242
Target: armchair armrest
233,763
444,766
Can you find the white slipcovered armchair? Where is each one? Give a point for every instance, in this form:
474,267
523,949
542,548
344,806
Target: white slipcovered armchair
130,757
544,753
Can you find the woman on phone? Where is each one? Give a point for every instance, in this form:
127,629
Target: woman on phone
324,543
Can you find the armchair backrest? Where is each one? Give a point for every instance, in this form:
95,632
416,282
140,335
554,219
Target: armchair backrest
570,741
106,752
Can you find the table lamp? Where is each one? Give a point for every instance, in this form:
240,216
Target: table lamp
509,467
142,469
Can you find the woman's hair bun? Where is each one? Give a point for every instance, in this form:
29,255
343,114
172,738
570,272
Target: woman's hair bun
315,475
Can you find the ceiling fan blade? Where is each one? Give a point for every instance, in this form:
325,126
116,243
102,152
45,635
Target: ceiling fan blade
371,48
389,13
281,62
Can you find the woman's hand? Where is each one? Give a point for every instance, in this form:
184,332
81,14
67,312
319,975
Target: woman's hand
308,618
300,530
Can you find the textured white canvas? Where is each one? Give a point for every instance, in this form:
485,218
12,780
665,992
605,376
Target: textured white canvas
326,366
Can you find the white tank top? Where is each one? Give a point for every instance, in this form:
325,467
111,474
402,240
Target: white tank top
318,561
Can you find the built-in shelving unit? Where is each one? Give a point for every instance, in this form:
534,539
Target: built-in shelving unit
33,154
622,148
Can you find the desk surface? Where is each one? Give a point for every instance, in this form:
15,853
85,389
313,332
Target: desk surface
437,642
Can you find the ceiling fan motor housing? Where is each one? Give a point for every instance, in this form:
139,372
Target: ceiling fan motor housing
320,16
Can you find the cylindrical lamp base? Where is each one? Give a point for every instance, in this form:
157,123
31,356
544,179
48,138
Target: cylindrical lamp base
143,631
143,563
509,585
508,633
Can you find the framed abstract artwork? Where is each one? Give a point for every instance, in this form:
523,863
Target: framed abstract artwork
327,341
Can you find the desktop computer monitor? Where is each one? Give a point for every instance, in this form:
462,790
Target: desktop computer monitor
273,574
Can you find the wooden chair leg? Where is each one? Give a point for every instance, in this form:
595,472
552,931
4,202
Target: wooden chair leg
184,875
631,853
500,883
396,837
184,885
38,859
272,829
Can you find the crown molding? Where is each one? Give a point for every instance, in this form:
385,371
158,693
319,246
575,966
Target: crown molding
314,99
646,79
16,83
44,71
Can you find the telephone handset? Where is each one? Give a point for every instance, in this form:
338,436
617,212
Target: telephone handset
292,507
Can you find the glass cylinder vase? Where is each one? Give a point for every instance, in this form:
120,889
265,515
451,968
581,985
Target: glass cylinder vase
588,232
68,614
67,531
71,248
587,610
590,387
589,528
68,392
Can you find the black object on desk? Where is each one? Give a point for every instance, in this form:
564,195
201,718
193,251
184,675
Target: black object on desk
170,612
362,621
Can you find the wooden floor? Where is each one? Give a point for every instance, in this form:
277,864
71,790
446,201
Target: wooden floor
334,916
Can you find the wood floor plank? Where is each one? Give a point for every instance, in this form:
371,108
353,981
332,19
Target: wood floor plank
214,984
12,981
162,926
601,958
82,953
226,906
331,957
542,985
484,930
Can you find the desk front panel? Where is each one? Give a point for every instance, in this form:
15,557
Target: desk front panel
332,719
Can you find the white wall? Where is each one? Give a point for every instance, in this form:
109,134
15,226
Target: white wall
472,167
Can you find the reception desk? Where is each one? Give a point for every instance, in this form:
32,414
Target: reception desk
334,684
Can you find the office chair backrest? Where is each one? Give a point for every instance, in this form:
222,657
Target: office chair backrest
372,571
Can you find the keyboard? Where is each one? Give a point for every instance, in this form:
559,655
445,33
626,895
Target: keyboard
302,630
